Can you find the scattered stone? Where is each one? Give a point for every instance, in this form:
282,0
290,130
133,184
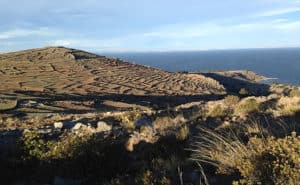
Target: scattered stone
103,127
78,126
44,130
58,125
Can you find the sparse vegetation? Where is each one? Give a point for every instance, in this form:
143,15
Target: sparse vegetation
7,104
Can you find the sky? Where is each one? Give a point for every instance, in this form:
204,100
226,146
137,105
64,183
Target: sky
149,25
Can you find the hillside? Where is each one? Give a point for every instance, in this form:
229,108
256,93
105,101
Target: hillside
63,70
69,117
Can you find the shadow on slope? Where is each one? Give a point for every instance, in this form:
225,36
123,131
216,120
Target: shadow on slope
235,85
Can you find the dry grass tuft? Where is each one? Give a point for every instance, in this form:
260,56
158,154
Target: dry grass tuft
287,106
259,159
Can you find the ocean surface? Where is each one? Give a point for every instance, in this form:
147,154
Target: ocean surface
282,64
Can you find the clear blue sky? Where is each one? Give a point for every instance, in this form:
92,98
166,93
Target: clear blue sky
149,25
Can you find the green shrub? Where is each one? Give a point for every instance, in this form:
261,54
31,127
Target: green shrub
216,111
35,146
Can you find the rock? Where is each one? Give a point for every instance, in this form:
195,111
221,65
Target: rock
234,118
272,96
58,125
227,123
143,121
103,127
44,130
78,126
82,128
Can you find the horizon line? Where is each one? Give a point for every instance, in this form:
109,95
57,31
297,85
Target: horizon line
157,51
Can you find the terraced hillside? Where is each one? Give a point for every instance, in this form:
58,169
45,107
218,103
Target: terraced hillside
67,71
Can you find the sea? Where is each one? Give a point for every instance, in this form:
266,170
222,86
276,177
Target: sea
280,65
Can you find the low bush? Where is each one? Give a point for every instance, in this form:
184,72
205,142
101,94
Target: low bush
272,161
231,100
36,146
247,106
261,160
216,111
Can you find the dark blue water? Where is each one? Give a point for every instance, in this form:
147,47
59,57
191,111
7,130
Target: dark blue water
283,64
